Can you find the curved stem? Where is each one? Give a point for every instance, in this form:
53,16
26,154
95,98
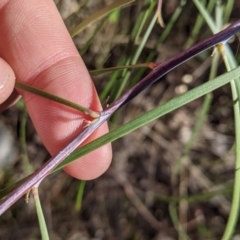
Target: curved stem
156,74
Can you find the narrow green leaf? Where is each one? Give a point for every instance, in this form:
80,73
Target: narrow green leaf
108,70
97,15
55,98
78,203
41,219
159,111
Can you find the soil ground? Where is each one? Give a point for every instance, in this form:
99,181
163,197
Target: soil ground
134,199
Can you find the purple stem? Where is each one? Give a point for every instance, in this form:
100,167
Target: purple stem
153,76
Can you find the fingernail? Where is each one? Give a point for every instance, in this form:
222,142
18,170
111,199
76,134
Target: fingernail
4,73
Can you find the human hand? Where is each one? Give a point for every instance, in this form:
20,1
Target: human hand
37,46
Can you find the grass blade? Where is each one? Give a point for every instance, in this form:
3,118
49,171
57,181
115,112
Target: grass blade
97,15
153,114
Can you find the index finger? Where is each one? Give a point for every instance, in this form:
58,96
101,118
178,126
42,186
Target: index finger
35,42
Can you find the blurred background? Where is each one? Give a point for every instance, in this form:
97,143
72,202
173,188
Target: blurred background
162,184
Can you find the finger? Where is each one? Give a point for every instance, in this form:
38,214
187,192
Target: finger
7,80
37,45
11,100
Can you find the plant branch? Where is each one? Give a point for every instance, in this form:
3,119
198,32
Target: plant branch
159,71
39,92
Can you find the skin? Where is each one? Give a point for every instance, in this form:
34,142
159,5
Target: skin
37,49
159,71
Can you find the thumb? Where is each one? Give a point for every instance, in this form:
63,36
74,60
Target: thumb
7,80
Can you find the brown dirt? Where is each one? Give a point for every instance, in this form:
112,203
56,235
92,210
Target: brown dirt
127,201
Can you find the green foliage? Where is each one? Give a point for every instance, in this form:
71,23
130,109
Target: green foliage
125,75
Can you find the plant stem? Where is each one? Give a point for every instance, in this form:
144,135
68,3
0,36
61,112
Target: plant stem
41,219
35,179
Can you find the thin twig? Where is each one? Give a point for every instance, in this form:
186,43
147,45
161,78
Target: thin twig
35,179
